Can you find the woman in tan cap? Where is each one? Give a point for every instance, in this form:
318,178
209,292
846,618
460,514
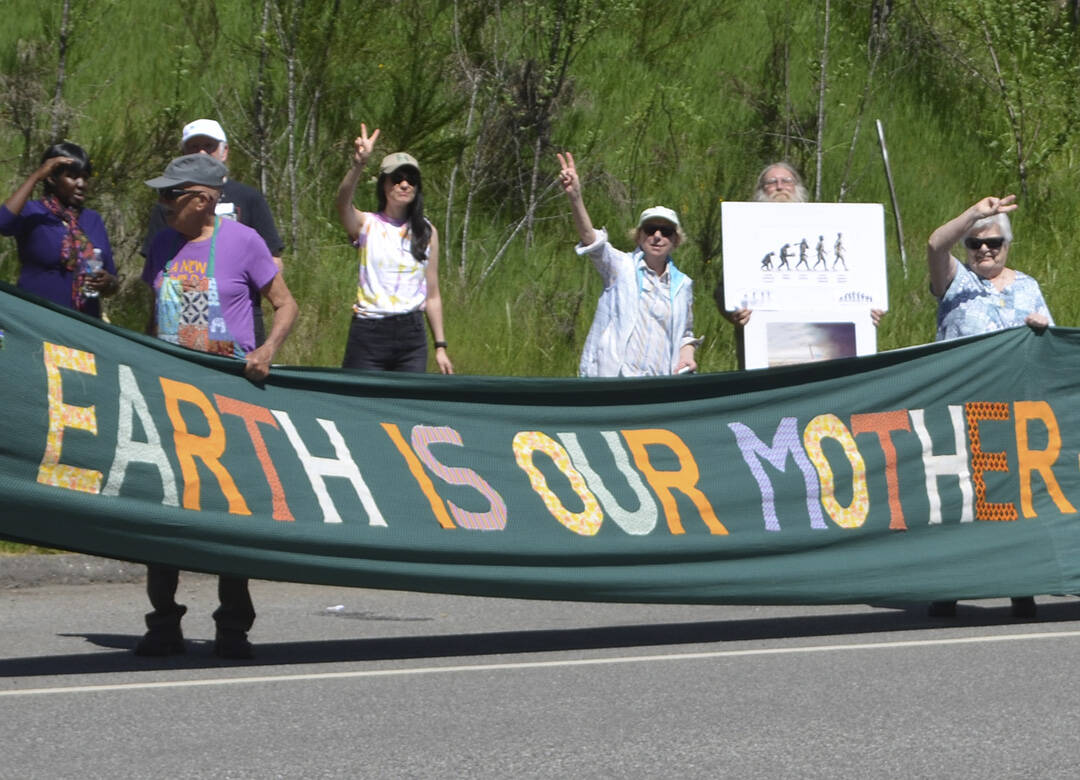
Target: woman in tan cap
644,322
398,277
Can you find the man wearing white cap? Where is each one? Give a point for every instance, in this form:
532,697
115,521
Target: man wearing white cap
238,201
644,323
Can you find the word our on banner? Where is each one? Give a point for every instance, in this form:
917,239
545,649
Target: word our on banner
945,471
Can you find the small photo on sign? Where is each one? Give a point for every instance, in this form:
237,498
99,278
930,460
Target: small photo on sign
784,338
789,343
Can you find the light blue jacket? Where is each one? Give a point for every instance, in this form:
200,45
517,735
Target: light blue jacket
617,310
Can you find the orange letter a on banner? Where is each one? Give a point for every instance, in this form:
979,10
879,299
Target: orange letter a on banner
189,446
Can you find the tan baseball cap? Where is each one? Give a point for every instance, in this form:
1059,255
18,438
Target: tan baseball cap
397,160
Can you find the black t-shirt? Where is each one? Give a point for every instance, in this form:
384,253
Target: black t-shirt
238,201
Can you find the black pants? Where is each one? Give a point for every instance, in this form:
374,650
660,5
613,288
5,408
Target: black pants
258,323
396,343
235,613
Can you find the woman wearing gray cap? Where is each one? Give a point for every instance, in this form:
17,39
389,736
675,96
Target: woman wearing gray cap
398,277
644,322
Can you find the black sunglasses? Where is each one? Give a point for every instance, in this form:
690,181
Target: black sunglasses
411,177
172,193
667,231
993,242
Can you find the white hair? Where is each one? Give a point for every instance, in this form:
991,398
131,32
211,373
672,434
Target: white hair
800,195
1000,219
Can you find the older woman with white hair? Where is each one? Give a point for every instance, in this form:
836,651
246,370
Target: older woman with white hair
981,294
644,322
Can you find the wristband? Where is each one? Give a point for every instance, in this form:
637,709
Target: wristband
440,344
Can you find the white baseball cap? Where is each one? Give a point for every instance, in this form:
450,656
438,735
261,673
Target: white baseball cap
658,212
211,128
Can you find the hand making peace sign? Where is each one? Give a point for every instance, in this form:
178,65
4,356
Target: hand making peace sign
364,145
568,176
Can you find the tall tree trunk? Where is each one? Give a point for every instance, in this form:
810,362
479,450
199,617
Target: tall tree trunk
61,70
262,141
1016,118
530,210
821,105
473,77
289,33
875,46
788,111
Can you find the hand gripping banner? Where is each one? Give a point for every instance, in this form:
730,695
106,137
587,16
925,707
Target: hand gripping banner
945,471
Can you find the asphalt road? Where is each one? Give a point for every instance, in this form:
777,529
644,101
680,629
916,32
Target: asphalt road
380,684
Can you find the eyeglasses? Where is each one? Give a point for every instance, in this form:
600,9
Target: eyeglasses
787,181
992,242
667,231
172,193
408,176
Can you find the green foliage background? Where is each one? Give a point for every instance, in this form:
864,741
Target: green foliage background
676,103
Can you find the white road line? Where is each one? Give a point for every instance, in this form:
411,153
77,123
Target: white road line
545,664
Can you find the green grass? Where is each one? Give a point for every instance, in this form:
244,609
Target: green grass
12,548
676,108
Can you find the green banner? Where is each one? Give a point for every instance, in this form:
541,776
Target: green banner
943,471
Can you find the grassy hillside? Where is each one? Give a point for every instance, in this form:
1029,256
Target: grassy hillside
660,102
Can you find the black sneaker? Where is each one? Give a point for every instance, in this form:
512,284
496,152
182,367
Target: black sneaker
233,645
158,642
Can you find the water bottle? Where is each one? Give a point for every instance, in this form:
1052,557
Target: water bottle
93,265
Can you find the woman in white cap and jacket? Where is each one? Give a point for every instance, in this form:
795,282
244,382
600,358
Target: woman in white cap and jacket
644,322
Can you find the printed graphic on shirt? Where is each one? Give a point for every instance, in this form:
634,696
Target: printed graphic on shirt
189,309
389,279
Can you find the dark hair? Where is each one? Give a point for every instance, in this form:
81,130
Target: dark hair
419,227
75,152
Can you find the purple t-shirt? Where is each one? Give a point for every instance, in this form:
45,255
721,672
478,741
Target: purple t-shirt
38,233
242,263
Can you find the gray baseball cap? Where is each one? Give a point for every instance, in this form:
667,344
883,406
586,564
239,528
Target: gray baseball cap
192,169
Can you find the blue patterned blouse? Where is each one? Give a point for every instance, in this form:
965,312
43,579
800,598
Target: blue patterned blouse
972,305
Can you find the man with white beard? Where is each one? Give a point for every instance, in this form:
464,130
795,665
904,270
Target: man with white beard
778,182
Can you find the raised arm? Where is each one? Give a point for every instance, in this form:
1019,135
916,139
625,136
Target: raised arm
942,265
571,185
351,217
18,198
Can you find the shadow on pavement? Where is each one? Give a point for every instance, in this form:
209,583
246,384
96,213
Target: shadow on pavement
199,652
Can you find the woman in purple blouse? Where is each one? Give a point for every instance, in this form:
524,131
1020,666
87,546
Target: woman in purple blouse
59,240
